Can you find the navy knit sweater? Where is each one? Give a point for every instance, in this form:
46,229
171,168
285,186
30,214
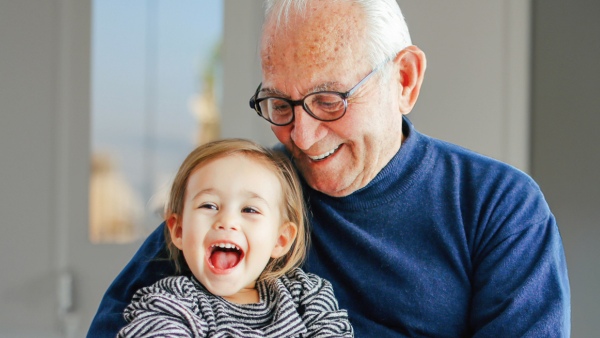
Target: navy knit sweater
443,242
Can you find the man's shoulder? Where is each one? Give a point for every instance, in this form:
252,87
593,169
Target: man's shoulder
473,163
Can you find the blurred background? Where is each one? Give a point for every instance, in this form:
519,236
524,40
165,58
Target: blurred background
100,101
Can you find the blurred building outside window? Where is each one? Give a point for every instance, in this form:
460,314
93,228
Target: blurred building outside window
156,79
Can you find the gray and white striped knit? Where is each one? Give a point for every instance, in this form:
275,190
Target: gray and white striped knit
297,305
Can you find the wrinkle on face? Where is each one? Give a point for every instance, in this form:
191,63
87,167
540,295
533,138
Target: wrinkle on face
325,49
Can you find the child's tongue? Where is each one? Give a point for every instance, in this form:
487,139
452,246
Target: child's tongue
224,259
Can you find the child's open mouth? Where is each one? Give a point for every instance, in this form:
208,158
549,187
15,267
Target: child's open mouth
225,256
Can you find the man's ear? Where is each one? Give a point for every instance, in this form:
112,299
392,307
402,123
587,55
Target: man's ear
174,225
412,64
287,235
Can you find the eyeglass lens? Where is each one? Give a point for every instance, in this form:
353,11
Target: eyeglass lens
323,106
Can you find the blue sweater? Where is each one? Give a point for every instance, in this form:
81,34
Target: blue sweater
443,242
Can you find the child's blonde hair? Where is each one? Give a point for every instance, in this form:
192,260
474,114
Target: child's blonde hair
292,211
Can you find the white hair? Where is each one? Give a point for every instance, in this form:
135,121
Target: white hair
387,31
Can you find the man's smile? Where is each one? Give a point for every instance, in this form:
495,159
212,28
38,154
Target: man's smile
324,155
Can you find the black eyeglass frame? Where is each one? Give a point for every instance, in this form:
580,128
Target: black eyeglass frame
255,101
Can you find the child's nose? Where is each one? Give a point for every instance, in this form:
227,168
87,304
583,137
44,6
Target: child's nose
227,222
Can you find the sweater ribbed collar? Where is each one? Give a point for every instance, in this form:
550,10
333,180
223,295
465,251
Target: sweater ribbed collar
410,163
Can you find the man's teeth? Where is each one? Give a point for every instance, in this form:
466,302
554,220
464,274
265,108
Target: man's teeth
225,246
322,156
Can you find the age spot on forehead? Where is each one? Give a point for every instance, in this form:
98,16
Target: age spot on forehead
326,35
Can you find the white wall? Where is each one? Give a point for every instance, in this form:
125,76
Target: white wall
44,142
475,94
566,142
476,86
241,71
29,60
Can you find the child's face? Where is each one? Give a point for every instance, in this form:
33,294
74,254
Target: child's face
232,225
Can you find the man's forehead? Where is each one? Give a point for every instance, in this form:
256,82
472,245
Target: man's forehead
289,13
310,50
314,46
318,35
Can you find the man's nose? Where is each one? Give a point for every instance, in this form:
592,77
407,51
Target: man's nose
306,129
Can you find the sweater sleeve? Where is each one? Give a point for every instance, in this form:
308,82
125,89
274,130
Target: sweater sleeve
520,284
153,323
147,266
166,309
318,306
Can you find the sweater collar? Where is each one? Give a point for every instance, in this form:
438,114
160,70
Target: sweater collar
403,170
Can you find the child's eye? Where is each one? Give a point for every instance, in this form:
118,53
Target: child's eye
208,206
250,210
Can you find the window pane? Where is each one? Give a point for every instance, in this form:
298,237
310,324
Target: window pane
155,89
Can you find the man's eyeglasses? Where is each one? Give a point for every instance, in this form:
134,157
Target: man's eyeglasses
323,106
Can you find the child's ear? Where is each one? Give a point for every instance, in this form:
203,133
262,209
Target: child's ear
175,230
287,235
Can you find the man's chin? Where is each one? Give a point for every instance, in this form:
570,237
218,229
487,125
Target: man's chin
326,176
330,184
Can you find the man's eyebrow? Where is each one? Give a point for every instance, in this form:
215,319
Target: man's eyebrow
272,92
327,86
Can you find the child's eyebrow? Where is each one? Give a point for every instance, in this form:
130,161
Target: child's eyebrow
252,194
210,191
214,191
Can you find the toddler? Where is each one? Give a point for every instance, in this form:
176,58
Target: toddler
236,232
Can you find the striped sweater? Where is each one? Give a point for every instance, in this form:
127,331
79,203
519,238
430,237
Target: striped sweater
297,305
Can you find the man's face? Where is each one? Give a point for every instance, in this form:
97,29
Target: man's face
325,51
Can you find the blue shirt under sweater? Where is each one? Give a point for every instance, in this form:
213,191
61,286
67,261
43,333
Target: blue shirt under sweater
443,242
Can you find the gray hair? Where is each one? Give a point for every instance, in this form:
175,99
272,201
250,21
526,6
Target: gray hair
386,28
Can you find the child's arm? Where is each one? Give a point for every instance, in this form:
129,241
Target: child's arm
318,307
160,310
154,324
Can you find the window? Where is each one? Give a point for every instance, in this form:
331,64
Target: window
155,96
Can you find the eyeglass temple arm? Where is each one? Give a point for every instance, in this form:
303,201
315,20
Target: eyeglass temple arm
254,97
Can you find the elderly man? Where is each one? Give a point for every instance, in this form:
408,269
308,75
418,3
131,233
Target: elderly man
418,237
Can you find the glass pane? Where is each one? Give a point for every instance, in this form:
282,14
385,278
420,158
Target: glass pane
155,93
